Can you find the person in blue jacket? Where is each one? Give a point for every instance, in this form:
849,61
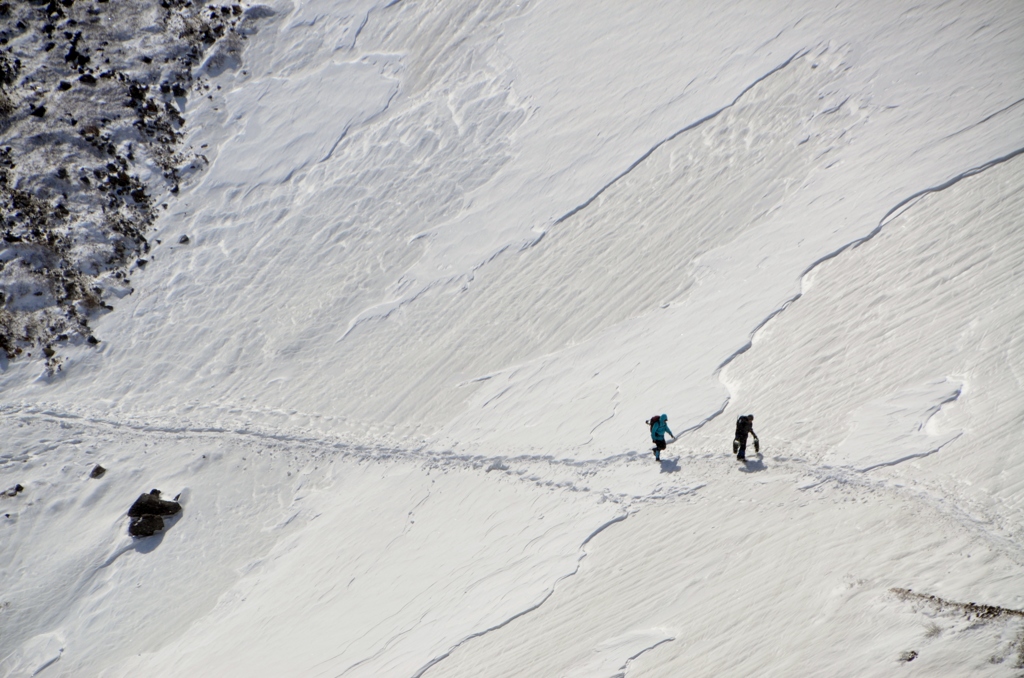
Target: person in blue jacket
659,427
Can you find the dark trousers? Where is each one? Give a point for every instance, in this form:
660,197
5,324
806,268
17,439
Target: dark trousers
739,447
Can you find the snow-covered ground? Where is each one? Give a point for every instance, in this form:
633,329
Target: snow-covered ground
445,260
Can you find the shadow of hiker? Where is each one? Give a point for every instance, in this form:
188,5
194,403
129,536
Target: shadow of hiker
670,465
754,465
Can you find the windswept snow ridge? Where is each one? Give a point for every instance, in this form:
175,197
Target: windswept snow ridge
689,127
806,275
528,610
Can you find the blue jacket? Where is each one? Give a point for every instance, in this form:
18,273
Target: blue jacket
660,428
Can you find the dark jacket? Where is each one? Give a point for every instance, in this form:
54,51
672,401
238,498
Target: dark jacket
745,425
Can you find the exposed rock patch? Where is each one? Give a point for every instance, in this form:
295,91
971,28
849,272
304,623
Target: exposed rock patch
970,610
973,612
13,491
147,514
145,526
92,95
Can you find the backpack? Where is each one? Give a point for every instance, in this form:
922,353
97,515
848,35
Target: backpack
653,420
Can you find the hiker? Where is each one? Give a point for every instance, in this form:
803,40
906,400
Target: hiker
744,425
659,427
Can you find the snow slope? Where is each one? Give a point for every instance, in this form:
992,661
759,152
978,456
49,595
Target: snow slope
445,260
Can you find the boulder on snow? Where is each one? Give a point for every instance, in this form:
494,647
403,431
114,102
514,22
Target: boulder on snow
145,526
97,471
13,492
146,514
151,504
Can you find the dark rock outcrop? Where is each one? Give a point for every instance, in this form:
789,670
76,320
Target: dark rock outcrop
13,492
146,514
77,93
152,504
145,526
97,471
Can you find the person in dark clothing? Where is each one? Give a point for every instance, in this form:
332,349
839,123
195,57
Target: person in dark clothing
744,425
659,427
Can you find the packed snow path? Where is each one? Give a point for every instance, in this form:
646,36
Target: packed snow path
471,554
398,375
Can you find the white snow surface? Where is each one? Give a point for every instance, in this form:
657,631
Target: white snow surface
446,259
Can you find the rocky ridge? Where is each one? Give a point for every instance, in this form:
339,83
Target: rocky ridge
92,96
